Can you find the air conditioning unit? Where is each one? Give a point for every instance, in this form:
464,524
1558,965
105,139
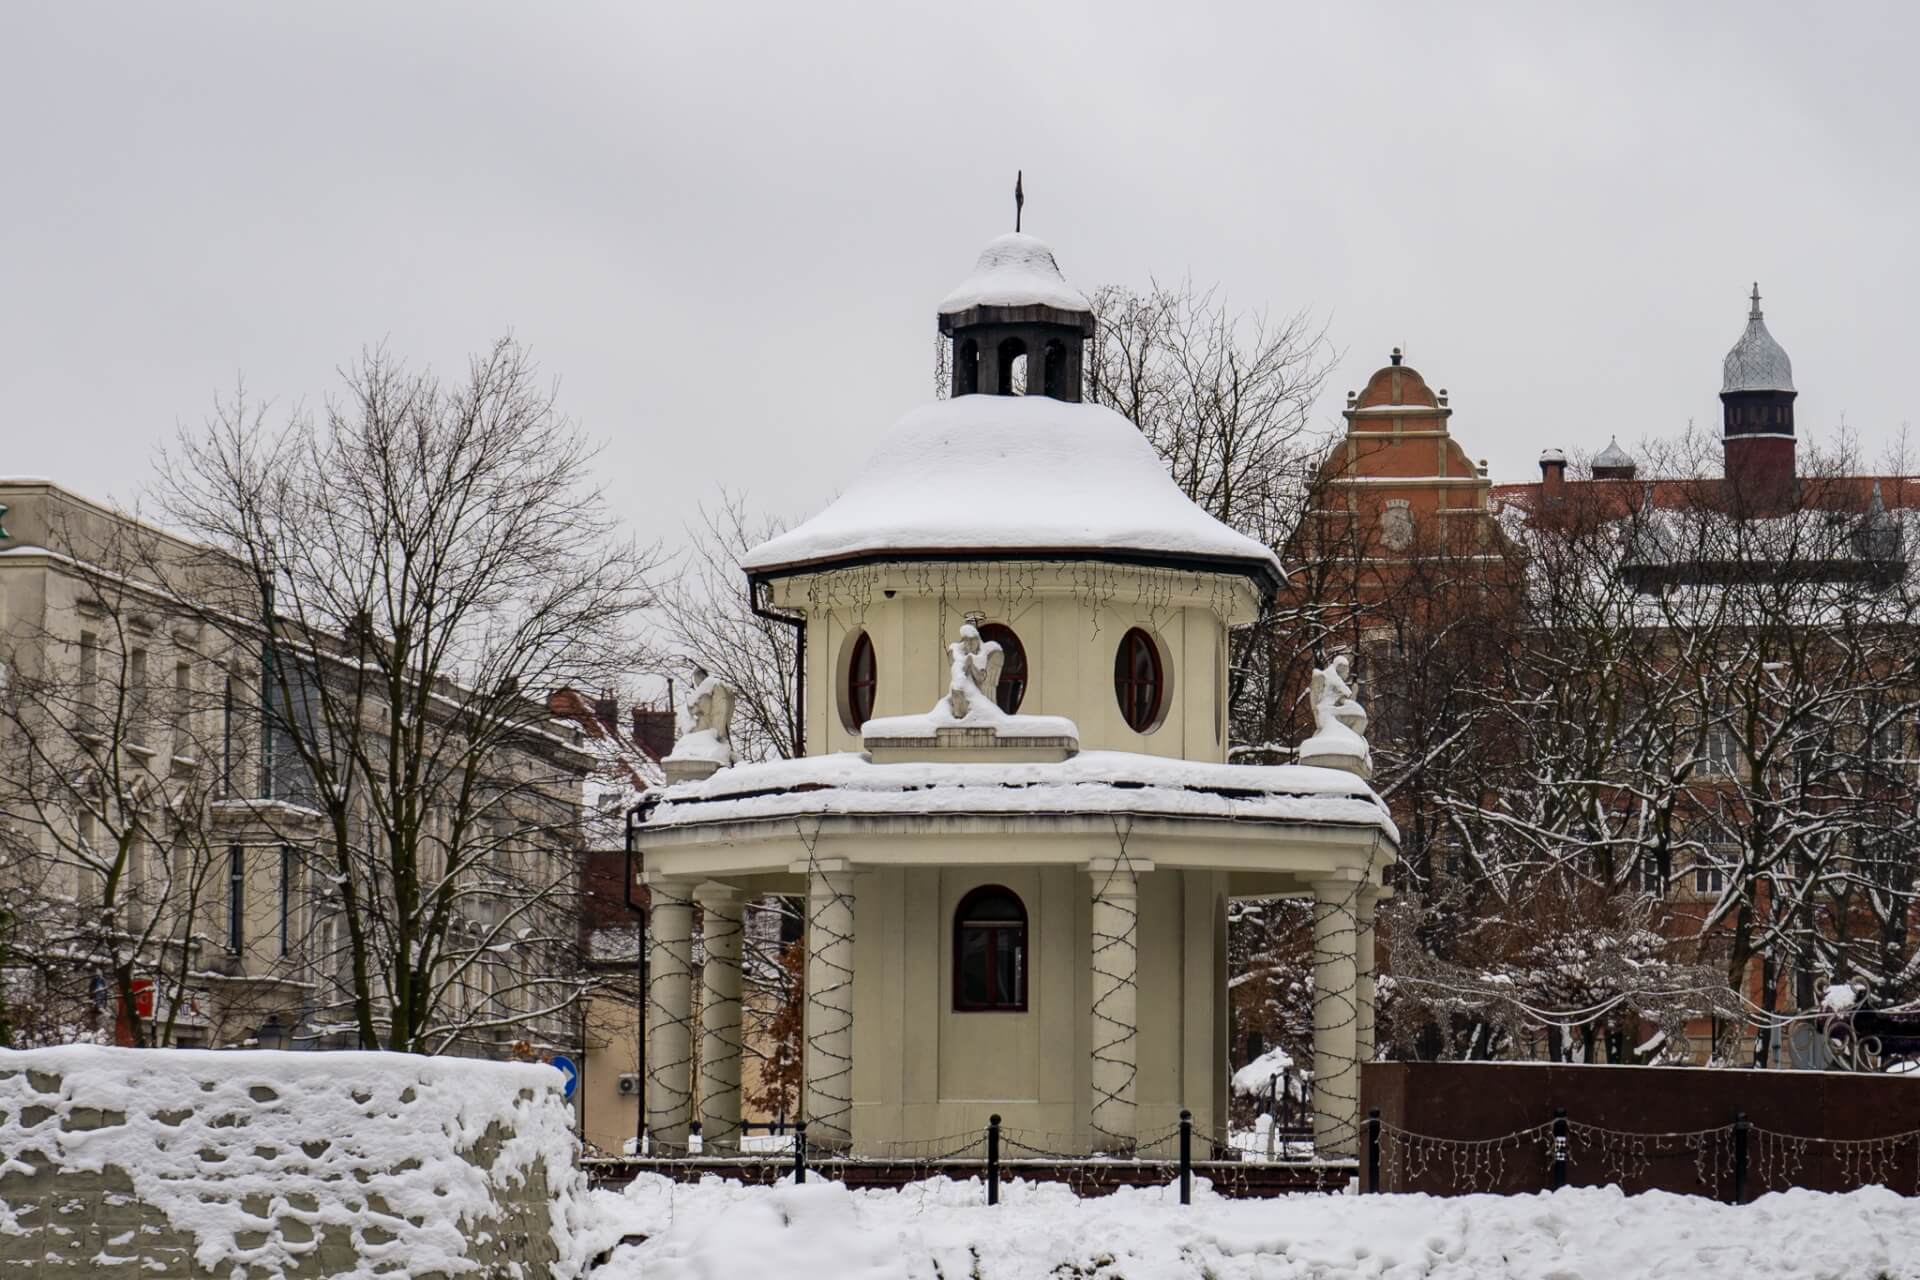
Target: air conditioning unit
629,1085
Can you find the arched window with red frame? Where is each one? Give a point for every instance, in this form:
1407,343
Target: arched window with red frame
990,952
1138,680
863,677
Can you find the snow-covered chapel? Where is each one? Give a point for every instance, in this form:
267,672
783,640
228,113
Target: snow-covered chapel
1014,827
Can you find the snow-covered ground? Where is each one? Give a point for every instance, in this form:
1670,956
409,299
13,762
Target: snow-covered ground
943,1230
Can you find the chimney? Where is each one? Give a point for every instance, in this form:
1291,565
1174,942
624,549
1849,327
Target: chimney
1553,475
653,730
606,709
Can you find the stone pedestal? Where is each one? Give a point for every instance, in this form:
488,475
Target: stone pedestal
829,1013
669,1014
1336,1017
1115,1029
720,934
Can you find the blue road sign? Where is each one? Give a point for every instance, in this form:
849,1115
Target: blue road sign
571,1072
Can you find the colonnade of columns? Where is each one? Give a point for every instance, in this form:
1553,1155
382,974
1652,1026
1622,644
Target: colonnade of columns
1343,1031
670,1024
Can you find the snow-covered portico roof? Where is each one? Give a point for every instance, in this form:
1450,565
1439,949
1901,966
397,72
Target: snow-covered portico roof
1014,477
1101,782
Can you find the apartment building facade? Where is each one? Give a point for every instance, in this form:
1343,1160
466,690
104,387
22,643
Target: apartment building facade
167,875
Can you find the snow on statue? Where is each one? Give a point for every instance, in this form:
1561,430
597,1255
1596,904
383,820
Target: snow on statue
976,671
1339,722
708,723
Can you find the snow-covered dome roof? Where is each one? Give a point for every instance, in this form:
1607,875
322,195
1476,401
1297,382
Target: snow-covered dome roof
1613,455
1015,270
1757,362
1028,476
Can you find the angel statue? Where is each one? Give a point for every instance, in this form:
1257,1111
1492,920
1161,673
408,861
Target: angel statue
976,671
1334,707
710,709
707,727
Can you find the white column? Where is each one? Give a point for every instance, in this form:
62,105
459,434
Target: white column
719,1015
829,1013
1115,1040
1336,1020
1365,966
669,1013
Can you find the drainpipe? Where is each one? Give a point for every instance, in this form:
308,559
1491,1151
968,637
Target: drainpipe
636,817
799,625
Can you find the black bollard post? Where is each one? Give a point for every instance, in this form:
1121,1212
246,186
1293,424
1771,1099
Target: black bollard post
1186,1157
800,1151
1740,1128
1373,1149
1559,1147
993,1159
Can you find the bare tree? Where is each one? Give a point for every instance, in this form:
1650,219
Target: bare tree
1225,396
417,566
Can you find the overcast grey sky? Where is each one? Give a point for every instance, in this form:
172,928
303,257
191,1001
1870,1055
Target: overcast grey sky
724,226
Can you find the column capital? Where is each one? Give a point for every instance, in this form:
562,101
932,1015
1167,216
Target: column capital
717,892
1340,885
676,886
1107,866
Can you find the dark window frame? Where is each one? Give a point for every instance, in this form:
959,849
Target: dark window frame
236,898
288,865
1142,716
862,686
1017,933
1012,689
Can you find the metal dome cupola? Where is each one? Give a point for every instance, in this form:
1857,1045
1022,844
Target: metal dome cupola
1757,394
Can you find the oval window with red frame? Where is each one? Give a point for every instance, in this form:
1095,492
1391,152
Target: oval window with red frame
862,678
1139,681
1012,689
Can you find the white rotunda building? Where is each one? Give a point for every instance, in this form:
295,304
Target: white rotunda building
1014,824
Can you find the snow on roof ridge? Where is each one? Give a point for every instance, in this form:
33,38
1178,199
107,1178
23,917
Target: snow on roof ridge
1015,270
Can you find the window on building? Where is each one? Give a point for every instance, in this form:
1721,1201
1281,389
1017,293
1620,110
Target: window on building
291,720
138,730
1137,680
990,951
1652,875
236,898
863,677
289,872
182,718
89,699
1721,754
1888,742
230,753
1012,689
1709,877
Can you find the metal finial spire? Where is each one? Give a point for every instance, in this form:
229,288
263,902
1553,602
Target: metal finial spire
1755,313
1020,200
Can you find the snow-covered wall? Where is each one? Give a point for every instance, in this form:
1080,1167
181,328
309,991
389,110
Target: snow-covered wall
197,1163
